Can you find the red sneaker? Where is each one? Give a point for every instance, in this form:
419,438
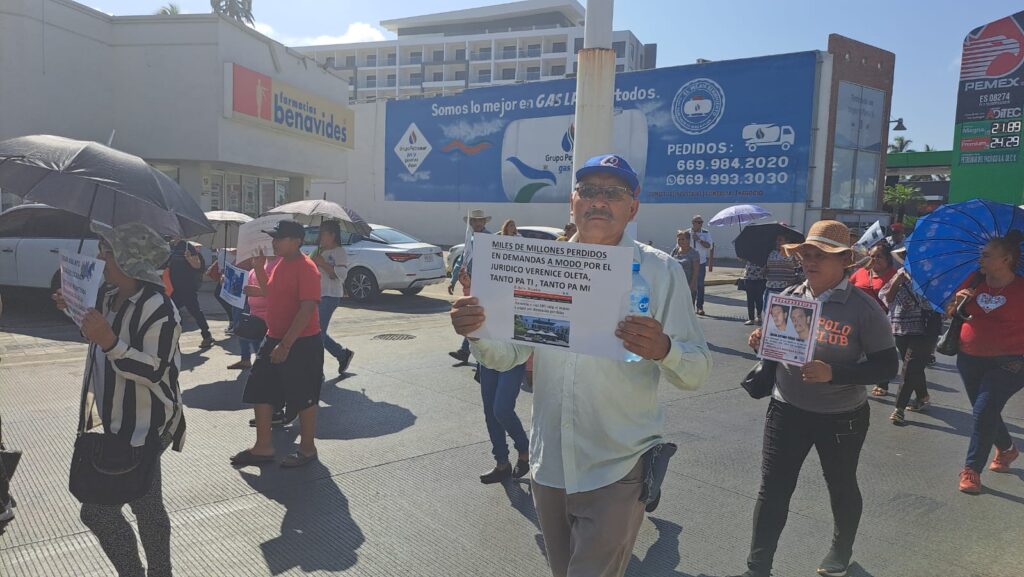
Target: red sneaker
970,481
1002,460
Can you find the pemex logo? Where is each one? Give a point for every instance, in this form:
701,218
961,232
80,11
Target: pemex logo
993,51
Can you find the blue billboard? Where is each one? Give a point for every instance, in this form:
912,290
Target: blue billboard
723,132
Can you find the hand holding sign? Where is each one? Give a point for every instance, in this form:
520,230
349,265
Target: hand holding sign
97,330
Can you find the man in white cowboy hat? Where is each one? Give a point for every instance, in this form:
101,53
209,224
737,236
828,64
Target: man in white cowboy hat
477,221
596,445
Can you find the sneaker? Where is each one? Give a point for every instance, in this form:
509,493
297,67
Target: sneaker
1002,460
897,417
7,511
700,312
970,481
345,361
919,405
240,366
498,474
835,564
461,356
207,342
750,323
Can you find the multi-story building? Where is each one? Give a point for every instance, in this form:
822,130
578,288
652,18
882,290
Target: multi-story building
448,52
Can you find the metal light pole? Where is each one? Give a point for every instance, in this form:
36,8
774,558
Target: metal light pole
595,85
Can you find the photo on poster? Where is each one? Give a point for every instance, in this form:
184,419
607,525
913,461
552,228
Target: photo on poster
787,335
540,330
232,288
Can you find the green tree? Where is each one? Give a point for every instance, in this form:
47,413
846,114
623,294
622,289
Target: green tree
898,196
901,144
239,10
170,10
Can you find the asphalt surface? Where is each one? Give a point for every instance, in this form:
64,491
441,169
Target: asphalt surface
402,440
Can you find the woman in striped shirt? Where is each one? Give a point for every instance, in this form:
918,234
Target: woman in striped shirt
130,388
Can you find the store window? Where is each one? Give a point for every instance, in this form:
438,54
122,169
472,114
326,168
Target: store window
250,194
233,192
213,191
267,198
281,191
857,151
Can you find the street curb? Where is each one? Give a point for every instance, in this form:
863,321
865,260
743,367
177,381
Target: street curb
720,282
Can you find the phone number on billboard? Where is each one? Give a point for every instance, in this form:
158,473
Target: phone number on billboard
729,178
752,162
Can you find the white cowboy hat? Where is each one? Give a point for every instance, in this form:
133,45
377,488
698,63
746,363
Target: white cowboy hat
477,213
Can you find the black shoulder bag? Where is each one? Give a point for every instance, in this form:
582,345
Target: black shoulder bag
250,326
760,381
949,343
105,468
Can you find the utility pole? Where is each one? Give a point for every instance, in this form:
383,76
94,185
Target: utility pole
595,85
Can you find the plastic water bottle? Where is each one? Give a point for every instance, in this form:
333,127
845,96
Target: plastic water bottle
639,304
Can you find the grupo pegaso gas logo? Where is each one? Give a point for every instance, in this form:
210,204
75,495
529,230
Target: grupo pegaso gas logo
698,106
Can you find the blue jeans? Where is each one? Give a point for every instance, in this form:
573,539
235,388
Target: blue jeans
990,382
702,273
327,306
499,392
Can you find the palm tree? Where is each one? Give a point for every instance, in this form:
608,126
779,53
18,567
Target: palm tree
900,144
240,10
170,10
899,196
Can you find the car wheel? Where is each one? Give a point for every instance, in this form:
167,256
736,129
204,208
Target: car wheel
362,285
411,291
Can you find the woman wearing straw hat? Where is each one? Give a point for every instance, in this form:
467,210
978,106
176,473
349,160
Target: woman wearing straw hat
822,404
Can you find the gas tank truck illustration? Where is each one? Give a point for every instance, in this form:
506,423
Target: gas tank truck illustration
697,106
756,135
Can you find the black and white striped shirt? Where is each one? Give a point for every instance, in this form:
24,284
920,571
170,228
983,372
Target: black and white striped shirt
133,387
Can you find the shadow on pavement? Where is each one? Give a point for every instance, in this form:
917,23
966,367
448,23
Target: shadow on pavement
960,422
522,500
394,302
732,352
317,531
662,557
343,415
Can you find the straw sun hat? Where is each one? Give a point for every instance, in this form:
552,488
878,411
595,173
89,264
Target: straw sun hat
830,236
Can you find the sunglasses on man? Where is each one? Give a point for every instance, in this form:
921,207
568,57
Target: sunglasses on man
612,193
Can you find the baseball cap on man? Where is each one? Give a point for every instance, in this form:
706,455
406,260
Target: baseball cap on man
287,229
612,164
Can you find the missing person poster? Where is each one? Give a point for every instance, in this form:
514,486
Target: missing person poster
80,280
788,332
233,285
545,293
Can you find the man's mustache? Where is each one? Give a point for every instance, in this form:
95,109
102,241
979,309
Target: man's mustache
598,212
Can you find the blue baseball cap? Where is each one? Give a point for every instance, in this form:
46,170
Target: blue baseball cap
612,164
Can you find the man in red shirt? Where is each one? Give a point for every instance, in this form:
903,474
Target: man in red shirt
289,367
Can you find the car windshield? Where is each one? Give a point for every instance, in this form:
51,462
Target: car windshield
392,236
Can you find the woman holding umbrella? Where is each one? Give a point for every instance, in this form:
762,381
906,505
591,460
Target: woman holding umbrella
991,357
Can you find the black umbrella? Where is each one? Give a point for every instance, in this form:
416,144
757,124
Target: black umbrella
98,182
757,240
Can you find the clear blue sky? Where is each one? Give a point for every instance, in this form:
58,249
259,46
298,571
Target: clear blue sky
925,35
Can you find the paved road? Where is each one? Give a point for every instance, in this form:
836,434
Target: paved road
395,492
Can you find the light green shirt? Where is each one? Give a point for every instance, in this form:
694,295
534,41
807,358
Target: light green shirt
593,417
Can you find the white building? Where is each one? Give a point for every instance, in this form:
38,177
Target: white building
448,52
228,112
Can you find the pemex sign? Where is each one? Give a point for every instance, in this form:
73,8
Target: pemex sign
987,158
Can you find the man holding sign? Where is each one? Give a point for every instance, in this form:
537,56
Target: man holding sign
596,421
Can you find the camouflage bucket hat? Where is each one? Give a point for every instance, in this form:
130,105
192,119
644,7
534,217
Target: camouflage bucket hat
138,250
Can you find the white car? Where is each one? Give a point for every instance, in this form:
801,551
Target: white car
31,237
543,232
388,259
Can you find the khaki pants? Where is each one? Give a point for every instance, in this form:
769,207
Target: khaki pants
591,534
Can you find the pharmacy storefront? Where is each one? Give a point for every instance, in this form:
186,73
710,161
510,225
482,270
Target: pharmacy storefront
240,121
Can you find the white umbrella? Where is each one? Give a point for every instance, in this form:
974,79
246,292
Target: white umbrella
739,214
251,237
307,211
223,221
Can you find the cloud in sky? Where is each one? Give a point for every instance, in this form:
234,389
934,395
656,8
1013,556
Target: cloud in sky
356,32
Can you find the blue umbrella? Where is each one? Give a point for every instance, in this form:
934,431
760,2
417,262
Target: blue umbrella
943,250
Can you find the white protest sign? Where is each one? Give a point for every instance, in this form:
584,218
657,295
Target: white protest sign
872,236
80,280
233,285
545,293
788,334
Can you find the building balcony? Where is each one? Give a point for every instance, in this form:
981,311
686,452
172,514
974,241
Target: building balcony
531,76
411,83
443,83
478,56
